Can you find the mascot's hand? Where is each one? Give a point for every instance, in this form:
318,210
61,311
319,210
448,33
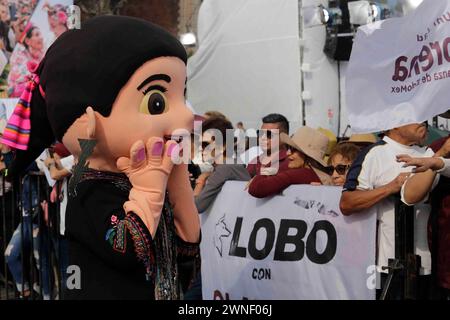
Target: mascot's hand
148,169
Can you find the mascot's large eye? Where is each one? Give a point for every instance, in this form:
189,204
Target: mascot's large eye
154,103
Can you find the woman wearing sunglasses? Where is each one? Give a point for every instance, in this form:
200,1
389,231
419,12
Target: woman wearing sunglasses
340,161
306,150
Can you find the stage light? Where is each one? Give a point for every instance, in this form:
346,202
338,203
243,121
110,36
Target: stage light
326,15
188,39
314,16
364,12
410,5
361,12
380,11
319,15
376,11
385,11
333,16
414,3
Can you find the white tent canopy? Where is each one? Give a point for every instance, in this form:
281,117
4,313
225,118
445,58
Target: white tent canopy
248,61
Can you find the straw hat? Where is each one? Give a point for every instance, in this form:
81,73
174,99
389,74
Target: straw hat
309,141
361,139
332,139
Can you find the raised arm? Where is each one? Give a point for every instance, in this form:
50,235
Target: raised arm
419,185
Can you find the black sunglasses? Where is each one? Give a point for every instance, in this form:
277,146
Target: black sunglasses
340,169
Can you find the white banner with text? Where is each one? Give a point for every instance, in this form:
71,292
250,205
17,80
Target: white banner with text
399,70
297,245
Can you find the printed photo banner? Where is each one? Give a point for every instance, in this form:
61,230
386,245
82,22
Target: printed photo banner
294,246
399,70
30,27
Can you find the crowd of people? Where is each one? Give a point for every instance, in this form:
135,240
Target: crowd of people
372,174
283,160
34,224
372,170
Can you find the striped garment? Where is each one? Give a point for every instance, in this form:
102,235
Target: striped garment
17,132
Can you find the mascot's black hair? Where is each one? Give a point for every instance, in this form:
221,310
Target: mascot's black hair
89,67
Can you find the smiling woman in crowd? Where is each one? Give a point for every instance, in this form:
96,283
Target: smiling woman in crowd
306,150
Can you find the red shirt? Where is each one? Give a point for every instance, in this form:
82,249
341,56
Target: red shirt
442,193
264,186
255,168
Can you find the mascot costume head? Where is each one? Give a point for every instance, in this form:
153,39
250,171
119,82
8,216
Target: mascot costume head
113,92
129,71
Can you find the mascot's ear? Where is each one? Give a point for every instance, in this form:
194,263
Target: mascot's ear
87,147
90,123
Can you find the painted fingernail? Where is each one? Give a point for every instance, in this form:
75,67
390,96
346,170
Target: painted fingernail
171,149
157,148
140,156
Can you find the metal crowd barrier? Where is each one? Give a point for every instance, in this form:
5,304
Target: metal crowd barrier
38,232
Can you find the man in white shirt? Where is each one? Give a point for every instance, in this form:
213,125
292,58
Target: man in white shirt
373,180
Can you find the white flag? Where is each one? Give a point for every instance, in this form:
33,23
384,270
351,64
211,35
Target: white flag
399,70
